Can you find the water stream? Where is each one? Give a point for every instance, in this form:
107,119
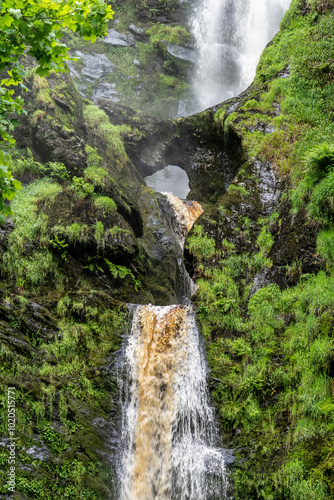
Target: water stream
169,434
230,36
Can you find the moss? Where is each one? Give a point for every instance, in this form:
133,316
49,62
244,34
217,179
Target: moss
58,408
105,203
111,134
175,35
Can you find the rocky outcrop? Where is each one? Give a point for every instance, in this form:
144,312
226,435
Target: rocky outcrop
140,61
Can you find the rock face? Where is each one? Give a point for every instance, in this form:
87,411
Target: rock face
119,39
143,63
195,144
182,53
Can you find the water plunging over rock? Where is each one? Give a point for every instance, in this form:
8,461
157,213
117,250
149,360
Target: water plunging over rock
169,434
169,431
230,36
185,213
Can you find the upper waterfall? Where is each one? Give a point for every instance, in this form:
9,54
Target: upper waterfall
230,36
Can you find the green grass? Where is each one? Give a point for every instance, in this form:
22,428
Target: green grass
31,266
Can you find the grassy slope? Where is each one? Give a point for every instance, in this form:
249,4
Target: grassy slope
272,353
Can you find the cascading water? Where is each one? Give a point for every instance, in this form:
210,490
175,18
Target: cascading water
230,36
168,431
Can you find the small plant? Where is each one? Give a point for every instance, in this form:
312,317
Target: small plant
319,162
82,188
99,234
118,271
237,190
28,163
137,283
265,240
60,245
200,244
321,206
58,170
325,246
92,263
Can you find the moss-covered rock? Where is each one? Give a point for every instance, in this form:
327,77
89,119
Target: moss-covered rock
265,290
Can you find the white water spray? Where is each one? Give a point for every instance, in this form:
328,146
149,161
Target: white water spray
169,432
230,36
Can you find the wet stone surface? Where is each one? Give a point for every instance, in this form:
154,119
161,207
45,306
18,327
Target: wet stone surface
182,53
115,38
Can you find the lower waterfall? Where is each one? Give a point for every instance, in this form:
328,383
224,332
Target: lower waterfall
168,433
168,430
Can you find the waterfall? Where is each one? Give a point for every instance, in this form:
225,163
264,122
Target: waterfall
168,431
185,213
230,36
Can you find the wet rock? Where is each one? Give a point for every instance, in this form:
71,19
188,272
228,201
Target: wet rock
22,320
296,241
115,38
266,277
228,455
285,73
269,186
95,65
39,452
105,90
16,341
182,53
106,431
5,231
136,30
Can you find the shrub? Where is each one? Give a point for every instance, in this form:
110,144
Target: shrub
265,240
82,188
319,166
325,246
319,162
321,204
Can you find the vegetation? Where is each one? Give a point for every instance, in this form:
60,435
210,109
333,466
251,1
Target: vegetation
22,262
271,348
111,134
61,404
137,76
34,29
